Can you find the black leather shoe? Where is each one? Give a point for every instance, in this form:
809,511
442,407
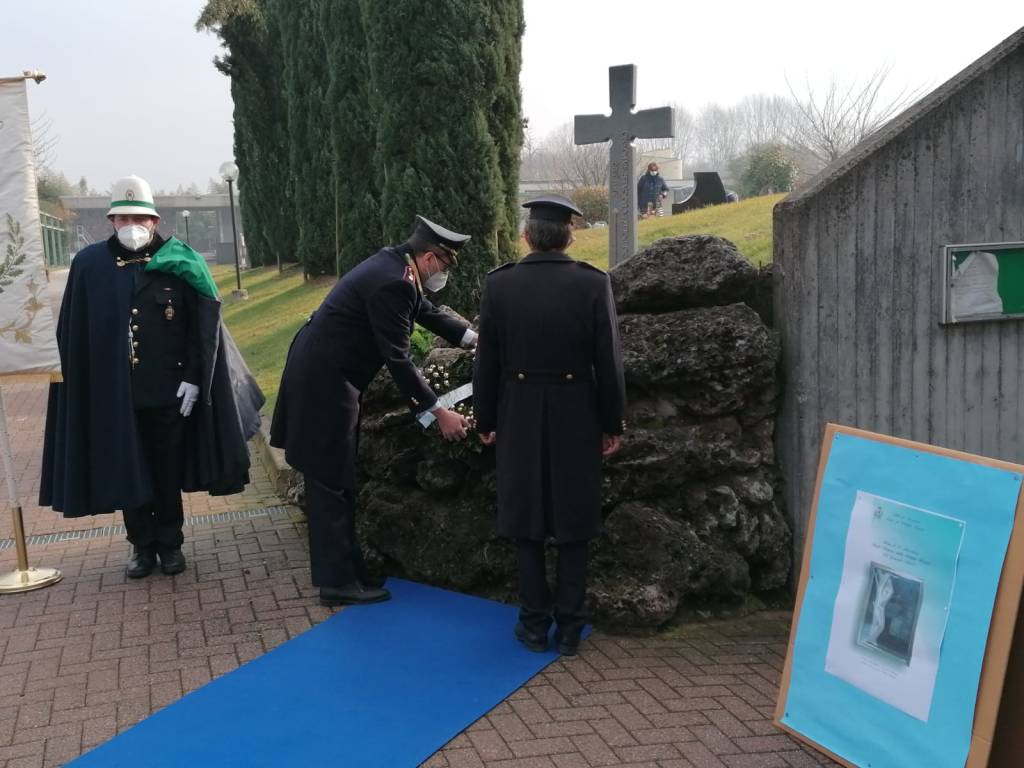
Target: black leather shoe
172,561
353,594
141,563
533,642
568,642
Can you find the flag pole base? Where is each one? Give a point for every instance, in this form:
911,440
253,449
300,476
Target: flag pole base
28,579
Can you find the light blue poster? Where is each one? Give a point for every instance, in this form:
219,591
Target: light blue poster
906,556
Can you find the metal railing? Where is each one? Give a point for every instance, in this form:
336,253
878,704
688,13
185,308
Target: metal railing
55,241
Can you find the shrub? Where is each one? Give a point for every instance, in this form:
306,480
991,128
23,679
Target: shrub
593,201
419,344
768,168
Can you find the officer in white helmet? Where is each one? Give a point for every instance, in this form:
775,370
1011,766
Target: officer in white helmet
131,426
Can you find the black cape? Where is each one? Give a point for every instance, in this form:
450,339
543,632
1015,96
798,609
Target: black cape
92,454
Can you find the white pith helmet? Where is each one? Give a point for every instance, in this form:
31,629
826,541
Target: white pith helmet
132,196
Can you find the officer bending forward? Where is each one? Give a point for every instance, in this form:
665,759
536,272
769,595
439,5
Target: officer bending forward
363,324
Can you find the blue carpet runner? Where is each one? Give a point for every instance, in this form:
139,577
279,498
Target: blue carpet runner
378,685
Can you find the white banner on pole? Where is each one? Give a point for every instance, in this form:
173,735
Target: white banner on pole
28,343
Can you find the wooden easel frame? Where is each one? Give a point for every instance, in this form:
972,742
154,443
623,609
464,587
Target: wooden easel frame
1001,687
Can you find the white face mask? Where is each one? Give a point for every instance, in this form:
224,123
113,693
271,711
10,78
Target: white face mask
134,236
436,282
654,173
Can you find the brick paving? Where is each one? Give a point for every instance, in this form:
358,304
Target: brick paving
697,697
85,659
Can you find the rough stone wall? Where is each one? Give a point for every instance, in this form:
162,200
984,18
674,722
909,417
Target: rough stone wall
691,503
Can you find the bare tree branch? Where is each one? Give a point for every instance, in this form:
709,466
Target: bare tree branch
579,165
832,122
766,119
44,142
719,136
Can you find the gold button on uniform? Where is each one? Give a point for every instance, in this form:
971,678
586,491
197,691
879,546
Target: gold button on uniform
520,376
135,311
568,377
135,327
135,361
135,343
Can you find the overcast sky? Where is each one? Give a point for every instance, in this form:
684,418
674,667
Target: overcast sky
132,88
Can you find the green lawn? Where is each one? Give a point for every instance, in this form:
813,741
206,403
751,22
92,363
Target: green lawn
263,326
747,223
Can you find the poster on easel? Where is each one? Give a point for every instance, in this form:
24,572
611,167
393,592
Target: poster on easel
906,604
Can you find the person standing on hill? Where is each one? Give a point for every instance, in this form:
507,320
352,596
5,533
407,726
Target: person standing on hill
651,189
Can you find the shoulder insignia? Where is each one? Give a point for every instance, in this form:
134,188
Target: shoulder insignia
588,265
409,276
500,267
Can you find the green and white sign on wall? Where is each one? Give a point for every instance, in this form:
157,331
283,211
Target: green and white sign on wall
983,281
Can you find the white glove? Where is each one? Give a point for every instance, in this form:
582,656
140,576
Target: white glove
189,394
469,339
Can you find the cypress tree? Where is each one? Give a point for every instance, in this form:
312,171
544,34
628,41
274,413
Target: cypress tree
308,146
353,130
505,117
252,60
352,116
435,69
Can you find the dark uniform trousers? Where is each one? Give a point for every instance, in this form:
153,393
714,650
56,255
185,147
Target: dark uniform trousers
157,524
165,352
570,574
570,590
335,557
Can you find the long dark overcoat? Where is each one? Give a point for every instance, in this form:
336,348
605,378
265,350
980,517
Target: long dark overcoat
93,459
364,323
549,381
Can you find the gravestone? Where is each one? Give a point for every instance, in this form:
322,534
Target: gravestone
621,128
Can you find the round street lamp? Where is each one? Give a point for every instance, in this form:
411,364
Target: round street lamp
185,215
229,172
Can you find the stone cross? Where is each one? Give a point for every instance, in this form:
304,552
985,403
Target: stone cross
621,128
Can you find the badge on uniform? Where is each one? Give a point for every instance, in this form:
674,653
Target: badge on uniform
169,312
409,275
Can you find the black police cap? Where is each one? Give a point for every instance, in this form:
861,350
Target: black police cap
552,208
450,242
